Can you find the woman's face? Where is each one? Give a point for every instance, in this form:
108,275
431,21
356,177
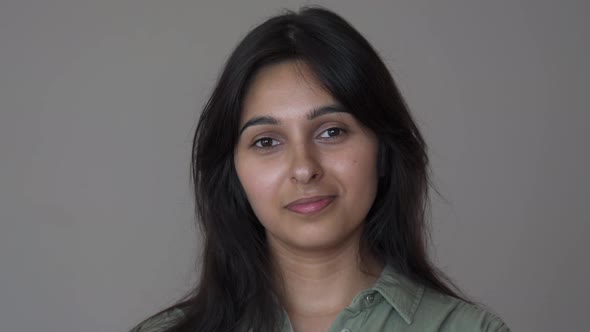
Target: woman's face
309,169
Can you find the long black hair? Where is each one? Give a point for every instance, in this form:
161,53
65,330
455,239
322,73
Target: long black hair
236,285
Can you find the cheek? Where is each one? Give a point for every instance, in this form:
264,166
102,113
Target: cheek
261,182
358,168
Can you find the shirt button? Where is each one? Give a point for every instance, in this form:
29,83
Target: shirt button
370,298
345,330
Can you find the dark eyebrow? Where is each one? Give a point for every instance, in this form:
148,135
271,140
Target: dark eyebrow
326,110
260,120
317,112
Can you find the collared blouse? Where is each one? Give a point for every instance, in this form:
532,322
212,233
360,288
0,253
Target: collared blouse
394,303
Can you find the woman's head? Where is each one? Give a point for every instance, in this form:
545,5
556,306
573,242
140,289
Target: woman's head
339,64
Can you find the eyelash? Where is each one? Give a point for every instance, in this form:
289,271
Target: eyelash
265,148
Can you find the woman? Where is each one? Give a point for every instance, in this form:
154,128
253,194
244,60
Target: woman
311,181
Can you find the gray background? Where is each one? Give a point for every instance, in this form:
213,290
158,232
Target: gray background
99,100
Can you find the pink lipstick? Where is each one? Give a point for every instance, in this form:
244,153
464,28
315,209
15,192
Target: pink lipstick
310,205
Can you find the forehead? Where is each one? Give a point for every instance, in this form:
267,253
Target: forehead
288,89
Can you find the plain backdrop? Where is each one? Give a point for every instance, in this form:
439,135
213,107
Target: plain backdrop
99,100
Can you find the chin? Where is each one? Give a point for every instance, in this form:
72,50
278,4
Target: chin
320,240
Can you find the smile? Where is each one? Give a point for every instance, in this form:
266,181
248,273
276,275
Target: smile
310,205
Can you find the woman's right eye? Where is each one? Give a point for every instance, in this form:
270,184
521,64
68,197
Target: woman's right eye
265,143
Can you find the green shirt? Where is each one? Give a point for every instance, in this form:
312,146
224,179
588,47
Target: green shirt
395,303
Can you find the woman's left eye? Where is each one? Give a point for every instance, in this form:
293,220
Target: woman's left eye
332,132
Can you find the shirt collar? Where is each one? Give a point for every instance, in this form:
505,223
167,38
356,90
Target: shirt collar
400,292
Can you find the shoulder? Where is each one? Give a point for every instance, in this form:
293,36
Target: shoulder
426,310
160,322
448,313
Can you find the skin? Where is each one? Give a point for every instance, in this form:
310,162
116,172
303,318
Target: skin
277,163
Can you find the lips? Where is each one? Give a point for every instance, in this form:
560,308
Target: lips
310,205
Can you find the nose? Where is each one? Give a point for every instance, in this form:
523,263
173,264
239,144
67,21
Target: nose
305,165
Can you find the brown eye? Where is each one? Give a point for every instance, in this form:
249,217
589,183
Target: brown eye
332,132
265,143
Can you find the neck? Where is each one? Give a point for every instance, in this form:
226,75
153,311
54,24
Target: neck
321,283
